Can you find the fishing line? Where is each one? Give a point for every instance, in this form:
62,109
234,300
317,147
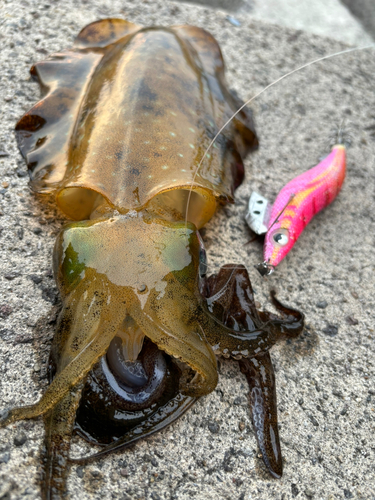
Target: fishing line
346,51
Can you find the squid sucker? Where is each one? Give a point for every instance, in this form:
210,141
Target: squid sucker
126,116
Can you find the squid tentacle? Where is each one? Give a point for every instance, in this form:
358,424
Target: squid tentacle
290,325
234,327
158,421
233,301
230,342
263,406
59,423
93,329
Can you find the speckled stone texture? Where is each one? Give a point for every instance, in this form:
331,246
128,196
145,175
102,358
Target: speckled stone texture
325,379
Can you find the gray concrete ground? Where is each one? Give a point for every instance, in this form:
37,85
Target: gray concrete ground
325,379
364,11
322,17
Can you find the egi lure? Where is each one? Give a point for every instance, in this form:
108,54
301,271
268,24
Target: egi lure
294,207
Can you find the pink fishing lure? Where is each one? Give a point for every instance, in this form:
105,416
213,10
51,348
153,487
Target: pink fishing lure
298,202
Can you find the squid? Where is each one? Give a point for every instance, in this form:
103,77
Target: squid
125,117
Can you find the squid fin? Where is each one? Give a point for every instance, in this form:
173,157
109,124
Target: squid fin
104,32
44,133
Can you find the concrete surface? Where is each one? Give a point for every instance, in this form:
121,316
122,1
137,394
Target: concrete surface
325,379
322,17
364,10
228,5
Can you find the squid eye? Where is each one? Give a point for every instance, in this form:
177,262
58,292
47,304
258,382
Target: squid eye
280,237
202,258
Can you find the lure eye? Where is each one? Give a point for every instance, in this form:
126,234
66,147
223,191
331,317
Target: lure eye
202,258
280,237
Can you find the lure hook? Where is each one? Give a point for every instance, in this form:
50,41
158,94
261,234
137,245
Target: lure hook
264,268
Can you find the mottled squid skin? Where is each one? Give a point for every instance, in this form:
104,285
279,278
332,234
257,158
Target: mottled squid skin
126,117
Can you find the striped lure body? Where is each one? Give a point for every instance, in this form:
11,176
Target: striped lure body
298,202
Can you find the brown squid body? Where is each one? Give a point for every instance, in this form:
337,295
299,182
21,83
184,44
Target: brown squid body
126,117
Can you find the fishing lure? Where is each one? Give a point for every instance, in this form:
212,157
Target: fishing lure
127,114
294,207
